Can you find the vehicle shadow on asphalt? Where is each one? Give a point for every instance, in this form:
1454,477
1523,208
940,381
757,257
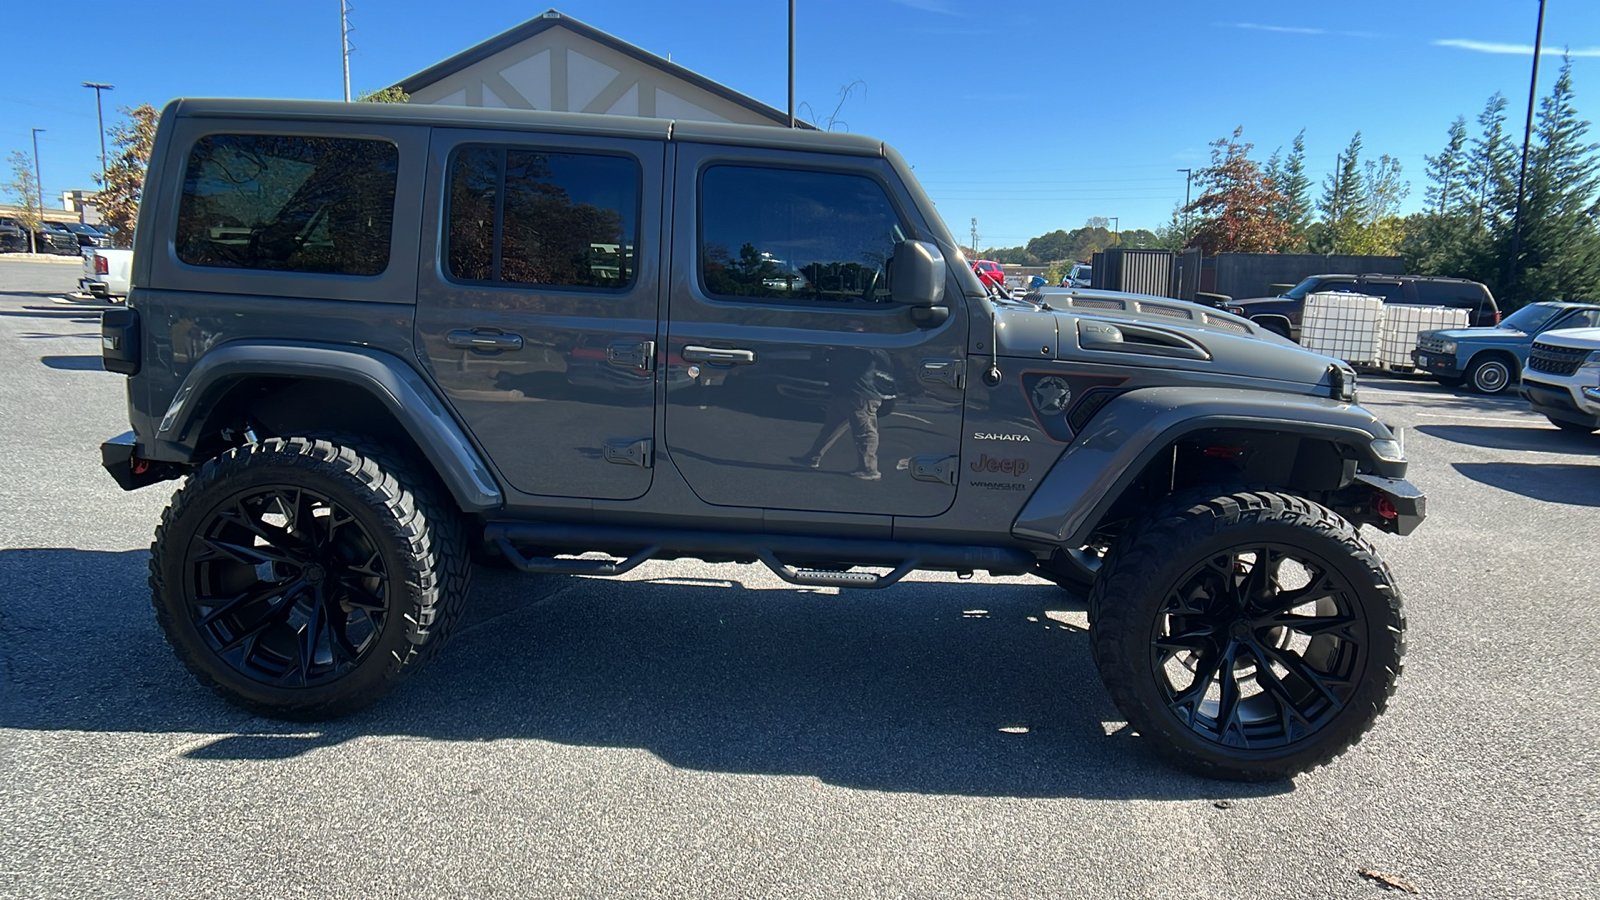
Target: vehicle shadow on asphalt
904,690
74,363
1535,437
1569,484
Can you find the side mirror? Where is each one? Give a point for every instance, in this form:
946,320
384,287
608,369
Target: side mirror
916,279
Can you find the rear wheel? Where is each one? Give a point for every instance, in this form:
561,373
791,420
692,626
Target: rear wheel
1490,374
1574,427
1250,635
299,578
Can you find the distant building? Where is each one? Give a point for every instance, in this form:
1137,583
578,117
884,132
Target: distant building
554,62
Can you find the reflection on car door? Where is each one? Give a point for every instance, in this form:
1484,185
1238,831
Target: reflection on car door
796,382
537,304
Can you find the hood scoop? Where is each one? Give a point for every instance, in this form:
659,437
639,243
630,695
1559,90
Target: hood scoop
1131,338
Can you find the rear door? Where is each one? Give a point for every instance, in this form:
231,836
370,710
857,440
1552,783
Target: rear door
537,300
795,382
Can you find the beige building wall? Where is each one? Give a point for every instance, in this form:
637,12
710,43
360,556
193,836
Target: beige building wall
567,72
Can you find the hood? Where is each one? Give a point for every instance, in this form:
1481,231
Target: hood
1472,334
1574,338
1103,328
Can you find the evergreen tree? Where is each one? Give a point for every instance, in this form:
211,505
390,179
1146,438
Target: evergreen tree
1343,201
1448,172
1560,258
1492,167
1296,189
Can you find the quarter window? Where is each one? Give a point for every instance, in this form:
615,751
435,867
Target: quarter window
781,235
532,217
288,203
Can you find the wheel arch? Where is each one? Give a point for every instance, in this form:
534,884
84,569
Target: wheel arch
1513,363
1302,443
305,387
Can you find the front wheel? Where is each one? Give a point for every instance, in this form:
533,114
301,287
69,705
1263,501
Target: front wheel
1250,635
302,579
1490,375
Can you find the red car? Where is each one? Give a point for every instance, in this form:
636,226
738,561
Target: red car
989,271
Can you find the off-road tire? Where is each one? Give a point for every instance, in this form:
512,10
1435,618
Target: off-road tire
415,530
1158,556
1574,427
1491,374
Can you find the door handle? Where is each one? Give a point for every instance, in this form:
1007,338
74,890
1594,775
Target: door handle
483,341
722,356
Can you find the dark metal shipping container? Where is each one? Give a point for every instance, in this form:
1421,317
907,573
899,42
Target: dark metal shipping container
1138,271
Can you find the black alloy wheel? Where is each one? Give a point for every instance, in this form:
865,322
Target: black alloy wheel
1257,648
1247,634
286,587
303,578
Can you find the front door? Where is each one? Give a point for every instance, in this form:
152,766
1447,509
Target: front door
795,382
537,302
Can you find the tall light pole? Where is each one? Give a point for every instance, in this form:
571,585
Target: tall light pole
1188,178
38,187
1115,231
1527,135
100,119
791,63
344,43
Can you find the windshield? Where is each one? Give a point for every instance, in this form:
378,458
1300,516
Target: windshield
1530,318
1299,291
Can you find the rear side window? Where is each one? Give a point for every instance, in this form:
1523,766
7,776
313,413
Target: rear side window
1448,293
532,217
1390,291
785,236
287,203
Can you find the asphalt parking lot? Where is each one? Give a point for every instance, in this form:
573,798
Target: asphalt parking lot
707,730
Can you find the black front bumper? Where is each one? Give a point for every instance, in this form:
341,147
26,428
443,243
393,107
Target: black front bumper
1557,403
1440,365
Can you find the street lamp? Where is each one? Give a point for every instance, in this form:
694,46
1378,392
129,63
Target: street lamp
1188,177
1527,136
1115,231
100,119
38,188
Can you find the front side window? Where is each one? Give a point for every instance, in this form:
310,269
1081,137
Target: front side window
534,217
782,235
288,203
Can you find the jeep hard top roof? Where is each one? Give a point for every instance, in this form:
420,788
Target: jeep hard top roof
533,120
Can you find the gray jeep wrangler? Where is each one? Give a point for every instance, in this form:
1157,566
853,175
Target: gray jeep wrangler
379,341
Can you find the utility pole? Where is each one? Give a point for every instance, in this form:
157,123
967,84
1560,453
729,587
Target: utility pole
101,121
344,42
38,189
1115,231
1527,136
1334,214
974,237
1188,178
791,63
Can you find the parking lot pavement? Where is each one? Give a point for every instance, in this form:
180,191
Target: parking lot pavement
705,730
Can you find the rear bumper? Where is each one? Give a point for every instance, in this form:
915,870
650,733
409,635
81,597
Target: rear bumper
1557,402
129,471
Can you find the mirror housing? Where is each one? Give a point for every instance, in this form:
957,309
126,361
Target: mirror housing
917,274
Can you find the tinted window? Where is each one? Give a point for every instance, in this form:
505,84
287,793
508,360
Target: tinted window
1390,291
1583,318
1530,318
1448,293
288,204
530,217
1315,285
785,235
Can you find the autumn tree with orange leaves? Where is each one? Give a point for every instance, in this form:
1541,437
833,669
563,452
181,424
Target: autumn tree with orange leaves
1239,207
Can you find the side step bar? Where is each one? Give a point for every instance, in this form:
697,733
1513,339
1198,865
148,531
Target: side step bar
640,544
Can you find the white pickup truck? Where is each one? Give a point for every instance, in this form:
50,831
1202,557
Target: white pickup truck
1562,378
106,272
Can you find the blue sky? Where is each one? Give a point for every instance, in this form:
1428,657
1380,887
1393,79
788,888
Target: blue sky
1030,115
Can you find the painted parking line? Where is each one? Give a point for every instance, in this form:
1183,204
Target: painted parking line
1432,415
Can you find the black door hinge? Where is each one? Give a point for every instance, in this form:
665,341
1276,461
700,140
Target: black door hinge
948,372
631,452
632,354
941,469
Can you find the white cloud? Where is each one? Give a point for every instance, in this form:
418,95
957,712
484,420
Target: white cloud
1295,29
941,7
1516,49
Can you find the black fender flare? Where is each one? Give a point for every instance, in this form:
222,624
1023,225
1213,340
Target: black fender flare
1125,436
388,378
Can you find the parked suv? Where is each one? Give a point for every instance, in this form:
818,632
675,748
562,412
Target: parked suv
1490,359
365,374
1283,313
13,237
1562,379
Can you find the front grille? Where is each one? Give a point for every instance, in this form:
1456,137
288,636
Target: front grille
1430,345
1555,360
